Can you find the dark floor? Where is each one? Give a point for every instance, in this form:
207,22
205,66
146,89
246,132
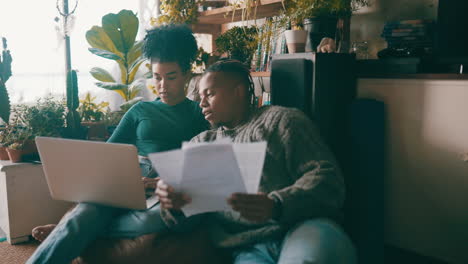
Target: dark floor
395,255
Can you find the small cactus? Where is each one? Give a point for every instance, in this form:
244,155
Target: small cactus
5,73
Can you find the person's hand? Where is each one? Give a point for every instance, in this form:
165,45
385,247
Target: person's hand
253,207
170,199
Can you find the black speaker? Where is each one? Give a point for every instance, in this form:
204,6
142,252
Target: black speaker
322,85
289,79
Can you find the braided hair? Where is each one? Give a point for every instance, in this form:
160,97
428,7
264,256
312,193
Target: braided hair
238,70
171,43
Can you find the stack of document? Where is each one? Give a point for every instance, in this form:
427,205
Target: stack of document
210,172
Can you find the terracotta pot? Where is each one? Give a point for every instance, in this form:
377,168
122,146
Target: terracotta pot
15,154
4,154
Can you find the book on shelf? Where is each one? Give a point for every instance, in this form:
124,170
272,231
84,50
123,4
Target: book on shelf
271,41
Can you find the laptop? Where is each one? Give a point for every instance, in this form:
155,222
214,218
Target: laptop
93,172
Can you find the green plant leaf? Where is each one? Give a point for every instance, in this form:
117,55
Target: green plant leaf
122,29
123,72
121,89
135,88
135,52
101,75
112,86
134,69
98,38
105,54
148,75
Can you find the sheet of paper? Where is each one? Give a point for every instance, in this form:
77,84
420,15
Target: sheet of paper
224,140
210,172
210,175
250,157
169,166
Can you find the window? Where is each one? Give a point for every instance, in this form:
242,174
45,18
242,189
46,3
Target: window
38,50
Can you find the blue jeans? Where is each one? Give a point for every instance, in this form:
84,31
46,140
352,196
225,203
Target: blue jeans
87,221
318,241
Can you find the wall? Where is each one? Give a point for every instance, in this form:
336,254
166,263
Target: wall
426,183
367,24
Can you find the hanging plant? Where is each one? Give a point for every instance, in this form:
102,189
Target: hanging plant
239,43
178,12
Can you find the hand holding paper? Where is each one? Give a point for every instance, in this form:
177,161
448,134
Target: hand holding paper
209,173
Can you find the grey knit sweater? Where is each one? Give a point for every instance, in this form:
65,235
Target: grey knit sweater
299,171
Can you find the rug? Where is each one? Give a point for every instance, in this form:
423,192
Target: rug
2,236
16,254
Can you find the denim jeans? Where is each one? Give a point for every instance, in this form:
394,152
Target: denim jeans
318,241
87,221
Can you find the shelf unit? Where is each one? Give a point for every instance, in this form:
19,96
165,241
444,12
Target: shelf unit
260,74
214,21
223,15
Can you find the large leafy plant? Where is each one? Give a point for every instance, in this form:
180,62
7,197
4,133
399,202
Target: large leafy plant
116,40
177,12
298,10
5,73
239,43
45,118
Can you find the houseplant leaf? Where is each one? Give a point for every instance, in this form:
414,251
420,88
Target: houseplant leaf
121,89
101,75
135,52
98,38
112,86
121,28
135,88
134,69
105,54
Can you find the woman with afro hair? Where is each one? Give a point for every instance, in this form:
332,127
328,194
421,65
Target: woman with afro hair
159,125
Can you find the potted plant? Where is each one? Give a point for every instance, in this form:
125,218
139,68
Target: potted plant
238,43
20,143
4,143
320,18
116,40
92,116
177,12
45,118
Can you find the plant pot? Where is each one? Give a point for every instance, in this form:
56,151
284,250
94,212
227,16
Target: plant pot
96,130
15,154
318,28
296,40
4,154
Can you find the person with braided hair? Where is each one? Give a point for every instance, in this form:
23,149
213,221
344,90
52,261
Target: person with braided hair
154,126
295,217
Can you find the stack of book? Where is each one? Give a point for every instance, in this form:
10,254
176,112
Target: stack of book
409,34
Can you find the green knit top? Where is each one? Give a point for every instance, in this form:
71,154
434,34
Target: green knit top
155,126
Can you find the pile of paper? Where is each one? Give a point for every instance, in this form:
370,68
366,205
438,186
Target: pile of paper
210,172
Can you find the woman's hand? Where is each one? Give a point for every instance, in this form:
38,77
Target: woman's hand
253,207
170,199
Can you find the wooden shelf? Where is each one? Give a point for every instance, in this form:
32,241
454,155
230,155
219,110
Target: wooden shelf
427,76
260,74
223,15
